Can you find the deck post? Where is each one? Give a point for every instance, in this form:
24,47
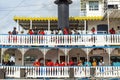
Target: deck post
44,55
48,25
109,50
87,55
108,20
85,26
65,55
18,26
23,51
2,52
30,24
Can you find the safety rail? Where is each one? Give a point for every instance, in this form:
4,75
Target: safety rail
58,40
53,72
108,71
62,72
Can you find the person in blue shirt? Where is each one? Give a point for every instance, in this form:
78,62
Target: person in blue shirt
87,63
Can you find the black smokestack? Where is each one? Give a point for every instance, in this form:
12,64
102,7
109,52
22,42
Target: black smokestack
63,13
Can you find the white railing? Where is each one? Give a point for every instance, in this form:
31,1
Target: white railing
56,40
62,72
53,72
81,72
108,71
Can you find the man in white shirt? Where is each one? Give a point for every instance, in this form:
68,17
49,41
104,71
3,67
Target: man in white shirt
12,59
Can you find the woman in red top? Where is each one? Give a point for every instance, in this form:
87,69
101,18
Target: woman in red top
93,30
41,32
65,31
36,63
71,63
56,63
30,32
112,31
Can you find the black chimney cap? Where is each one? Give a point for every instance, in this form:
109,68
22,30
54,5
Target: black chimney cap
63,1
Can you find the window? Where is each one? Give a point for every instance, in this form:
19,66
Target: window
93,5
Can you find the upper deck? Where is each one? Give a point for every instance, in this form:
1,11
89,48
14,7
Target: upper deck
81,40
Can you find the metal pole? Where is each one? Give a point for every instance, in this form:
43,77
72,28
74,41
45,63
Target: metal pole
30,24
48,25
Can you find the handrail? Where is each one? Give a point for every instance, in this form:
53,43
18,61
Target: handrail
62,72
58,40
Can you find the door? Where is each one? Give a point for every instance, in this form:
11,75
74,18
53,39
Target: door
102,29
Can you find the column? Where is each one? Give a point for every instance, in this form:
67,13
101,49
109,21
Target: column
108,20
66,55
44,55
30,24
109,50
87,55
48,25
85,26
2,52
18,26
23,52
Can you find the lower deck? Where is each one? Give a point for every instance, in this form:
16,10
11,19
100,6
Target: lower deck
26,56
76,72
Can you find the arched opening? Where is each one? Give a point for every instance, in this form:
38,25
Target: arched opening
17,54
97,54
77,54
55,54
31,55
115,57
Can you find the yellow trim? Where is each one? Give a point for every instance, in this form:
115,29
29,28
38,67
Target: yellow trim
55,18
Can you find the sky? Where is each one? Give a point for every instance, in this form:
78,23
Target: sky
29,8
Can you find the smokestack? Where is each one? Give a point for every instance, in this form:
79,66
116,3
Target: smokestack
63,13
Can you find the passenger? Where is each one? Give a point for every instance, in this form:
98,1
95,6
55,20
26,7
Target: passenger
71,63
14,32
10,36
80,63
60,32
101,63
12,59
36,63
35,31
50,63
56,63
118,29
94,63
93,30
63,63
112,31
41,32
87,63
65,31
30,32
6,59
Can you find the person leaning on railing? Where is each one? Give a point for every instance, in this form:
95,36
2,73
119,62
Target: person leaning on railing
94,63
36,63
14,32
101,63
